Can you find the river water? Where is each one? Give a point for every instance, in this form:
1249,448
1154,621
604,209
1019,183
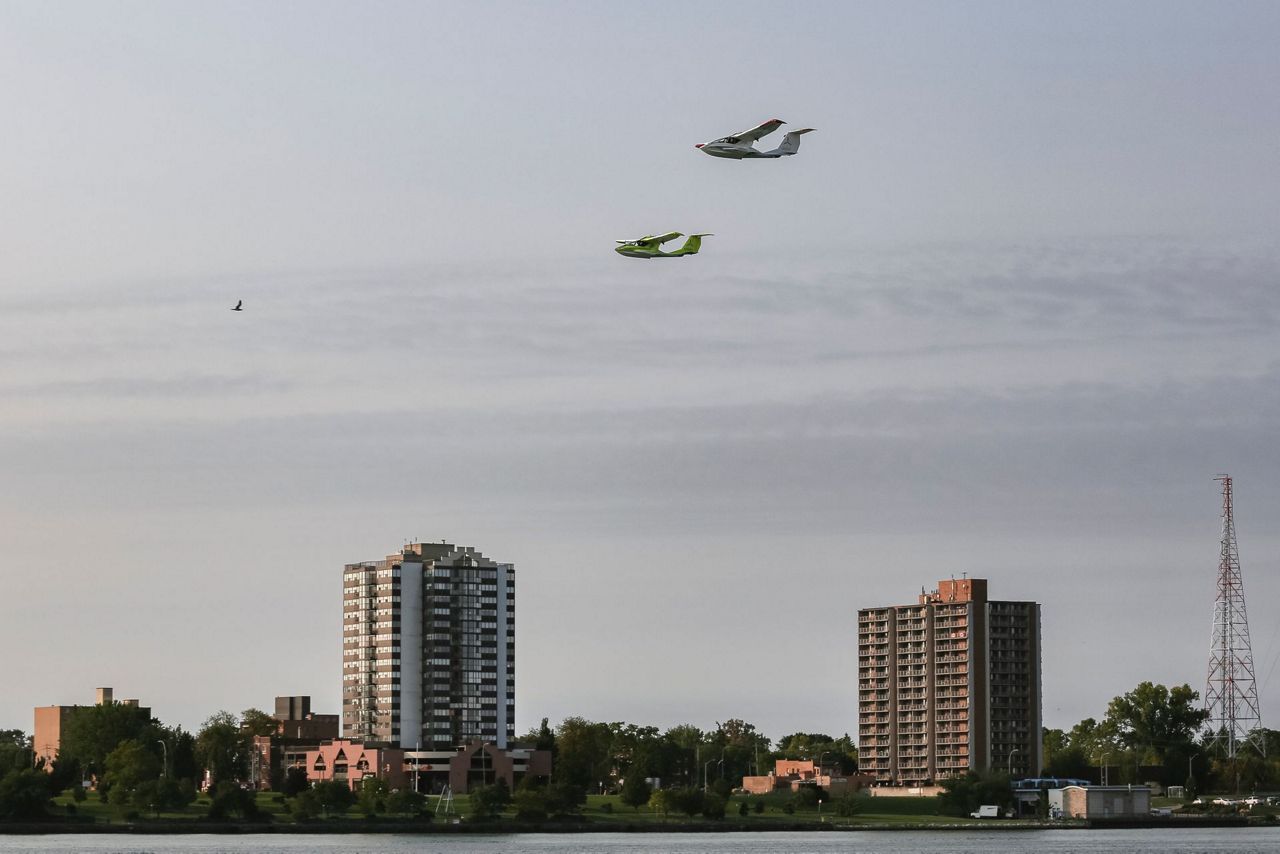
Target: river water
1260,840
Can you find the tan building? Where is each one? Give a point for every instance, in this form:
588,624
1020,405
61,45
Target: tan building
51,720
949,685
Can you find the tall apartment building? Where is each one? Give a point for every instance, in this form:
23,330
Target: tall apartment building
428,648
948,685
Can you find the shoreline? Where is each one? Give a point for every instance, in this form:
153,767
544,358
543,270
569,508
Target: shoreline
161,828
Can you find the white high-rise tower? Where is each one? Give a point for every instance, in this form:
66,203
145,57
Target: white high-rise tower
428,648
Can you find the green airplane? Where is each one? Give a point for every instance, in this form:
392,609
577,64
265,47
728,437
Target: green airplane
647,246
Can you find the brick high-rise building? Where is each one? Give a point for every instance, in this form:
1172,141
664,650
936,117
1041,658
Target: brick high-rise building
948,685
428,648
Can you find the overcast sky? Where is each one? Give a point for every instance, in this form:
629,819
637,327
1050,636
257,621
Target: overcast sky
1007,313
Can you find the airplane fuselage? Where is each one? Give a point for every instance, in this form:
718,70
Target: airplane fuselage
634,252
733,152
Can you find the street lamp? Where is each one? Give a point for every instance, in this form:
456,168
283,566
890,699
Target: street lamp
164,763
1011,752
705,766
1105,756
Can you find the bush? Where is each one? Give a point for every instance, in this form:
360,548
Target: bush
295,780
687,801
24,794
635,791
743,809
713,806
306,806
489,801
758,807
405,802
334,796
849,804
565,798
789,808
531,803
807,797
607,807
229,799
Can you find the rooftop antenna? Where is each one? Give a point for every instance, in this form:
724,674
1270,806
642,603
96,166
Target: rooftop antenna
1231,692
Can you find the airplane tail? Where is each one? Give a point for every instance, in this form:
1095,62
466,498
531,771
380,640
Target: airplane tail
790,143
692,245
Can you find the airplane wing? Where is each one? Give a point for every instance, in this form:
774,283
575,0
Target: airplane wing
760,130
663,238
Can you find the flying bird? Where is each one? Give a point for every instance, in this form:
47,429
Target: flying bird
238,304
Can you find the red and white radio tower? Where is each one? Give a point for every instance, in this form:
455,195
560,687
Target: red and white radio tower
1231,693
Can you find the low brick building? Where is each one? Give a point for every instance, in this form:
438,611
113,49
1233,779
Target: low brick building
793,773
476,764
1100,802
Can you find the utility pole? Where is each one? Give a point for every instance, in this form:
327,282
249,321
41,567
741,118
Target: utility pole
1231,692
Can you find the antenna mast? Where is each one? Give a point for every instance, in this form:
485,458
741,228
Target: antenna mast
1231,693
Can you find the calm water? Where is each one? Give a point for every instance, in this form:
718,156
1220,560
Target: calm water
1225,841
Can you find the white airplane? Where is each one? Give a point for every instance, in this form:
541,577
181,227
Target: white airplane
742,145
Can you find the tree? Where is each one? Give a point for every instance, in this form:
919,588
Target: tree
1158,725
1155,717
306,805
850,804
333,796
820,747
713,806
489,801
405,801
635,791
130,766
531,803
24,794
220,748
687,800
295,781
807,797
585,757
91,732
740,747
373,796
229,799
565,798
15,750
1069,762
964,794
257,722
660,801
679,756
